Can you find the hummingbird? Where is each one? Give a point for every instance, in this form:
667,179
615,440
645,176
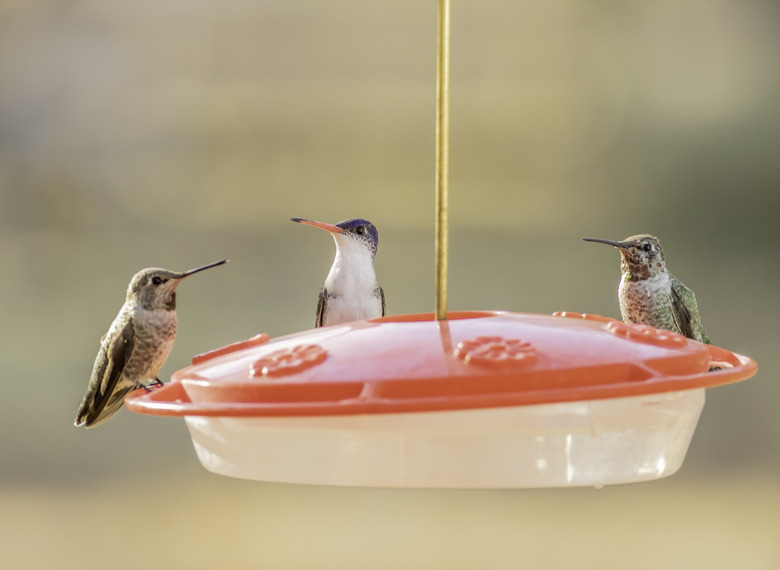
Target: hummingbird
136,345
350,292
648,294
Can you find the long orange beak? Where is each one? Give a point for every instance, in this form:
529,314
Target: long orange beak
322,225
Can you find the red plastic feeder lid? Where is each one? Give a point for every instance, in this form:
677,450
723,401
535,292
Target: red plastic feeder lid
413,363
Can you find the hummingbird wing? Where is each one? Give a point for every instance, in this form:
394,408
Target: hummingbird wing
382,296
321,308
105,393
686,312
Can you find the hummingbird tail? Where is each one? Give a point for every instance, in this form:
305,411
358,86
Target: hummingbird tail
90,415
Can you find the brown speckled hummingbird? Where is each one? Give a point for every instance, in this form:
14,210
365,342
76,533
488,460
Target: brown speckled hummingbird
648,294
136,345
350,292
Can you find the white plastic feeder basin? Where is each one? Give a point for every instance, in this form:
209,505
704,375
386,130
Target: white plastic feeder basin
484,399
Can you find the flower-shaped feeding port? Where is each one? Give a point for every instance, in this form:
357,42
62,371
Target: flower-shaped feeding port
288,360
495,351
584,316
646,333
483,399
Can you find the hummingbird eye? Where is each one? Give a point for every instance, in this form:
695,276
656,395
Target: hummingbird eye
157,280
360,230
648,247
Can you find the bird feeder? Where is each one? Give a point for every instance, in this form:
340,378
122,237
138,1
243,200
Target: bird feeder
449,399
482,399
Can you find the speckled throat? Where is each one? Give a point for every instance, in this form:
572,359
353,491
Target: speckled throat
635,271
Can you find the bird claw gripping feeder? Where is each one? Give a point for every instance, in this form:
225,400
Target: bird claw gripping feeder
460,399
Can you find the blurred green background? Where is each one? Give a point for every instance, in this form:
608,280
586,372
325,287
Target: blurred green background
175,133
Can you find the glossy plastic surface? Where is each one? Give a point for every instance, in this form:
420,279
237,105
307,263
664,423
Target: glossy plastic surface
485,399
412,363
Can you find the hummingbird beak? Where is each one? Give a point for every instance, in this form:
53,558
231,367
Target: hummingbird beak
322,225
623,246
197,269
617,244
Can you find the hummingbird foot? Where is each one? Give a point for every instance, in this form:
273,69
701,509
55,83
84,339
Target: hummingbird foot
140,385
157,382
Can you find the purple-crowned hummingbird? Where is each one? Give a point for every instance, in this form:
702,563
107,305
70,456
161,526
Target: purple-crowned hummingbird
648,294
350,292
136,345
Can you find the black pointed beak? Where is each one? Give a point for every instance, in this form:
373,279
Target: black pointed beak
617,244
198,269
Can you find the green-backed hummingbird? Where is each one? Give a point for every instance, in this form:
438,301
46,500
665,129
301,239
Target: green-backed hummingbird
136,345
648,294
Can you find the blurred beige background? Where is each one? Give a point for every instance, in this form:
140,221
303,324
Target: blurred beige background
174,133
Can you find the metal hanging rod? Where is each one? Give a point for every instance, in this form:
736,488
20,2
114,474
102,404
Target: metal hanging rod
442,156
